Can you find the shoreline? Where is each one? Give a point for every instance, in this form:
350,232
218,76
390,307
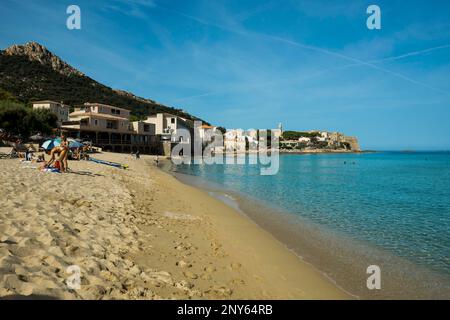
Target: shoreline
138,234
287,151
339,258
320,151
261,236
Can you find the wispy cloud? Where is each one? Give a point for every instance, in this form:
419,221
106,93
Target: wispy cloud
374,64
135,8
330,9
413,53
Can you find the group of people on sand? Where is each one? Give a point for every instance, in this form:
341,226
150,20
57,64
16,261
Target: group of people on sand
59,155
80,153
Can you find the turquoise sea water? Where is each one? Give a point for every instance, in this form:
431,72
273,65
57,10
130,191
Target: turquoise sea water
388,204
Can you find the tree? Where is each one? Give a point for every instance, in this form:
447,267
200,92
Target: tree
44,121
134,118
12,117
301,145
5,95
222,129
18,119
295,135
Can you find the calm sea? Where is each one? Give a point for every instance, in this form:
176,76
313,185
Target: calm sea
344,212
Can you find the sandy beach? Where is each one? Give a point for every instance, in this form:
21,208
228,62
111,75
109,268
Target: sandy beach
137,234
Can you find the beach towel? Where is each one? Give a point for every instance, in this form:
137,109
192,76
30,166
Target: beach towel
50,170
109,163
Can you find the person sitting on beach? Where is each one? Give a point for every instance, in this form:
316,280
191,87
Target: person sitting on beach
76,155
84,153
29,154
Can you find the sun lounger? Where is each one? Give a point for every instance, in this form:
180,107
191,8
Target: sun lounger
12,154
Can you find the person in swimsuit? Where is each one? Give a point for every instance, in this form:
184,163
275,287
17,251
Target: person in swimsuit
64,155
55,151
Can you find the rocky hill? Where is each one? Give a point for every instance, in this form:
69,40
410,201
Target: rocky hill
33,51
31,72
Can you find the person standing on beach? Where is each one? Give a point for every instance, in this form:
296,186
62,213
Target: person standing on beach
64,155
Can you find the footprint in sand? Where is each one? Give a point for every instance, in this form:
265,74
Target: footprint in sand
235,265
206,276
190,275
183,264
210,269
20,251
16,285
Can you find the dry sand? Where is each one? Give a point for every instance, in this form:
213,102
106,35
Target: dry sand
137,234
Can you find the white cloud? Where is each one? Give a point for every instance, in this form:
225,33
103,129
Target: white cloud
135,8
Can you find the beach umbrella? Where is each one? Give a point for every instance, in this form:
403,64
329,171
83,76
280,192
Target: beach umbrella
73,144
50,144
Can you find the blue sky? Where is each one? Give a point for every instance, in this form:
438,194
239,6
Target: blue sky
252,64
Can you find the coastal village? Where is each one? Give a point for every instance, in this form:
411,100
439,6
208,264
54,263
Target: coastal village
110,128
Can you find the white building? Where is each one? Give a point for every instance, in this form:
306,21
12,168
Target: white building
205,132
59,109
304,139
168,126
234,140
141,127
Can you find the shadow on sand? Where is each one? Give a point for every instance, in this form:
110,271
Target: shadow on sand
30,297
86,173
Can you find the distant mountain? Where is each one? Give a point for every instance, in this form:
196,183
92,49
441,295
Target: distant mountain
31,72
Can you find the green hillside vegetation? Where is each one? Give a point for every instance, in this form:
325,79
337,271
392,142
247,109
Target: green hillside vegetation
295,135
32,81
